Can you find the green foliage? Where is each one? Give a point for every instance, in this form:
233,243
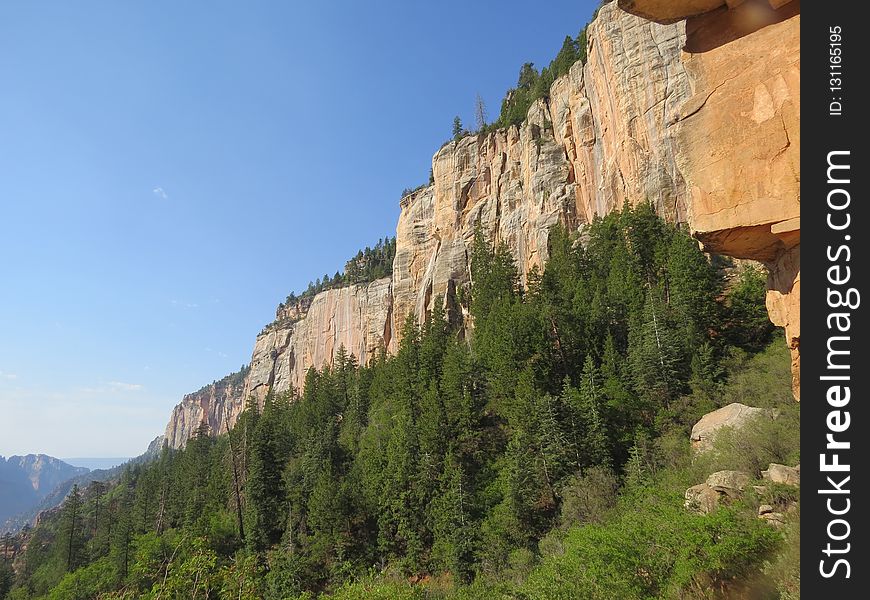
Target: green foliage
654,548
588,498
7,578
532,85
748,325
86,583
458,131
543,452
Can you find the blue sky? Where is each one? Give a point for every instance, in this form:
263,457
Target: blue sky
169,171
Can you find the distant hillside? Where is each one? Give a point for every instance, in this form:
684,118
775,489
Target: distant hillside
26,480
20,502
96,462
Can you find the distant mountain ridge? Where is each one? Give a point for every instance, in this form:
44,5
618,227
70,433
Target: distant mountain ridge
98,462
36,482
27,480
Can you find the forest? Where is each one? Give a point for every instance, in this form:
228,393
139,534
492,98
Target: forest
541,453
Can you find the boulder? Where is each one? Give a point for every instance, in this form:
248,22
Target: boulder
702,499
735,415
777,519
782,474
730,483
720,488
765,509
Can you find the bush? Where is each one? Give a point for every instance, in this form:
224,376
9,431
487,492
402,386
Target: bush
589,497
86,583
654,548
757,444
748,324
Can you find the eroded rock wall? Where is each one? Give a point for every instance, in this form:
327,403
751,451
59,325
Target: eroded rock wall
216,406
602,139
358,317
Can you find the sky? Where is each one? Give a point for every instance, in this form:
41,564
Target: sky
170,171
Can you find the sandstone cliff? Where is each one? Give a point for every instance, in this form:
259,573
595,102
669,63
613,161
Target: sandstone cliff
358,317
699,117
738,137
212,405
602,139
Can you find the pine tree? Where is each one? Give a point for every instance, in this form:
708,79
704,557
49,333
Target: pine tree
457,128
692,288
656,352
479,112
595,444
71,533
122,533
265,486
453,529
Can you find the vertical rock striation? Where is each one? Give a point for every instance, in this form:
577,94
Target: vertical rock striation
357,317
216,406
602,139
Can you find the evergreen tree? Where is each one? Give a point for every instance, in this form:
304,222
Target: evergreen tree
748,326
453,528
692,289
656,353
595,443
71,535
265,486
457,128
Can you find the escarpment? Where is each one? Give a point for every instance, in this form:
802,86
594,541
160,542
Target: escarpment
698,116
600,140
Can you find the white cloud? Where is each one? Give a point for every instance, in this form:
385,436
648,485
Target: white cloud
8,376
160,193
185,304
124,387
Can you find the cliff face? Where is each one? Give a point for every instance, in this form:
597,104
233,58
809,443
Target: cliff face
212,405
738,138
306,334
698,117
358,317
601,140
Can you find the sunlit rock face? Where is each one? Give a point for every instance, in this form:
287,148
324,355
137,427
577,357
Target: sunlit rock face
738,139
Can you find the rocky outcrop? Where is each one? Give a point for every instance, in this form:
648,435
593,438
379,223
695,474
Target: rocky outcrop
305,334
601,140
769,514
720,488
356,317
782,474
699,117
734,416
213,406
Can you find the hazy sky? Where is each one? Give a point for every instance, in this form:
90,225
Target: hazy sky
169,171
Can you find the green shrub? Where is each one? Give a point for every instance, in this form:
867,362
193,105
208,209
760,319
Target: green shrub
654,548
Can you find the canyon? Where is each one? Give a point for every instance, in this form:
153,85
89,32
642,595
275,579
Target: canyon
691,105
